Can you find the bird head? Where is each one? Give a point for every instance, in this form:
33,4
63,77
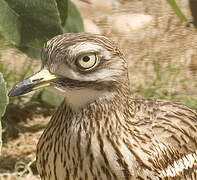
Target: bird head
80,66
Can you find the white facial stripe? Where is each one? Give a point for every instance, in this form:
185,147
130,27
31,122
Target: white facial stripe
67,72
87,47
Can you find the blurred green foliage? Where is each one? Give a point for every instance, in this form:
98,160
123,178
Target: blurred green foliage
3,103
163,86
29,24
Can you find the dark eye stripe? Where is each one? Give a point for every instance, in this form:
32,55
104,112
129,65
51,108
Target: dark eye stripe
70,83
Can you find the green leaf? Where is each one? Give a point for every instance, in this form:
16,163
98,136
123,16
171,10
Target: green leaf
51,98
3,95
3,103
74,21
34,20
63,10
10,24
29,24
33,48
31,52
177,10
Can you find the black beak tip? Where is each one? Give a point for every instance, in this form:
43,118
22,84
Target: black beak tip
21,88
12,93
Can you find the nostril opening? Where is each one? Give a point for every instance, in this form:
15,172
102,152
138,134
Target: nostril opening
40,79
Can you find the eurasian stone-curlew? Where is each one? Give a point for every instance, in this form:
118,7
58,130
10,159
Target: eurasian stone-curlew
99,132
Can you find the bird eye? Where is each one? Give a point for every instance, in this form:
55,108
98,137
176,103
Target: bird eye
86,61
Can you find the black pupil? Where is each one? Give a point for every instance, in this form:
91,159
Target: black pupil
86,58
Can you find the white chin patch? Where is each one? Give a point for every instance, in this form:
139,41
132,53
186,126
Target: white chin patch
57,90
79,98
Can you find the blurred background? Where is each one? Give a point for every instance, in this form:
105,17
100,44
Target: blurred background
158,42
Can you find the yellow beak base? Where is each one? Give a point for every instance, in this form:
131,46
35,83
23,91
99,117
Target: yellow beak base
37,81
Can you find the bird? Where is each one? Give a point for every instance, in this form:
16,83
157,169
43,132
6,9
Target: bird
100,131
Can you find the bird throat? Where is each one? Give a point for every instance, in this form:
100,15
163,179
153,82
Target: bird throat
77,99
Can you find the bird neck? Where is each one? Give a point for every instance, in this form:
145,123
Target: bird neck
104,111
79,99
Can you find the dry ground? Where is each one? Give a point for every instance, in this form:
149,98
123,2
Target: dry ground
160,49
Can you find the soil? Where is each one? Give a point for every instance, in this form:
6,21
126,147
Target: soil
22,127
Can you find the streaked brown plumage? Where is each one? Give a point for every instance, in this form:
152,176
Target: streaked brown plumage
101,133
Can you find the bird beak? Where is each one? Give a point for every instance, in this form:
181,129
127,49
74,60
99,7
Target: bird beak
37,81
